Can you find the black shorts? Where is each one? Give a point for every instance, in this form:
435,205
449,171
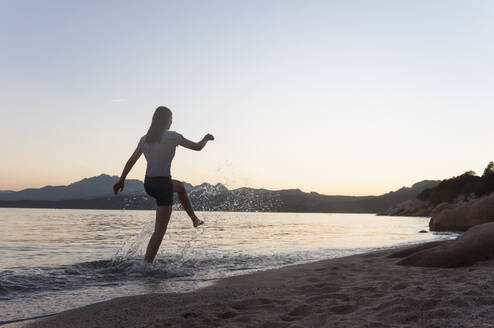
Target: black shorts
160,188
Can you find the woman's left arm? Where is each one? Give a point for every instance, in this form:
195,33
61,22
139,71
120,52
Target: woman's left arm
128,166
198,146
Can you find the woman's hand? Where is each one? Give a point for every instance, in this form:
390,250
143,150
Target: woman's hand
128,166
117,186
196,145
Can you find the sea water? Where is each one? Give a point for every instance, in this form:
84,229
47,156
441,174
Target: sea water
53,260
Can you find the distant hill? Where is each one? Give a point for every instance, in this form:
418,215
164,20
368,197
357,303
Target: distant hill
448,194
98,186
465,186
205,197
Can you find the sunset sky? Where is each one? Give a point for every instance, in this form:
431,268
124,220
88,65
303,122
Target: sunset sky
337,97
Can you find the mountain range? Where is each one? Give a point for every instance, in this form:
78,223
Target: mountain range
96,193
86,188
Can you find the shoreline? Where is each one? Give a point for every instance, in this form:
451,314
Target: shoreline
22,321
178,209
363,290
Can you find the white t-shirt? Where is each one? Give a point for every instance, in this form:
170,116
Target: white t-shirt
159,156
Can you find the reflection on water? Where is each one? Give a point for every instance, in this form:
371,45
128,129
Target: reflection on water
58,259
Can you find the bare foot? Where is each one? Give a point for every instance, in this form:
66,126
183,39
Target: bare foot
197,223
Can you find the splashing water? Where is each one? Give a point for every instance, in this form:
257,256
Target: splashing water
133,246
133,250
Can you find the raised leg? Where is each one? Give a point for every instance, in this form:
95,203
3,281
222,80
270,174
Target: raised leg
178,187
162,218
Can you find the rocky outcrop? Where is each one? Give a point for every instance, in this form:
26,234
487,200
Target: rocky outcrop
411,207
416,207
461,216
476,244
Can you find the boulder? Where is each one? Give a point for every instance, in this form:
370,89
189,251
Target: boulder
476,244
461,216
441,207
411,207
415,249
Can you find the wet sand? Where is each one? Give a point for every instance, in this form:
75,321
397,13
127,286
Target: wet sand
365,290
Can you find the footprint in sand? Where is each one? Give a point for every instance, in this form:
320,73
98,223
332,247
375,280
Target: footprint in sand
275,324
340,296
343,309
189,315
242,319
227,315
289,318
400,286
256,303
301,311
297,313
315,299
369,289
318,289
313,280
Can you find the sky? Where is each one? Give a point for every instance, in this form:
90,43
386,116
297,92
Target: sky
336,97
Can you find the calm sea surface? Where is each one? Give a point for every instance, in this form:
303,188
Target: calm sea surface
53,260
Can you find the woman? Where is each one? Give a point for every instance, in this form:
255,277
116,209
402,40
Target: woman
158,146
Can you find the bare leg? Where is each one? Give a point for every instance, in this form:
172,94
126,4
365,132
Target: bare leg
178,187
162,218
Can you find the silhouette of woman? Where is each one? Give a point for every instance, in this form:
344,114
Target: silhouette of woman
158,146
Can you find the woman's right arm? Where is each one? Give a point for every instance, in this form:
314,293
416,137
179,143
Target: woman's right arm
196,145
128,166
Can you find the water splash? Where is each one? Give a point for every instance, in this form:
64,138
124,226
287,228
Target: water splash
173,259
133,247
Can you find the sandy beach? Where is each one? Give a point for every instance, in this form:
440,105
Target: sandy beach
365,290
